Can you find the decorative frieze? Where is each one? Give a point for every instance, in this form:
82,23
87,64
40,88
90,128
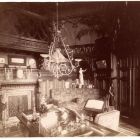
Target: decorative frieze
84,50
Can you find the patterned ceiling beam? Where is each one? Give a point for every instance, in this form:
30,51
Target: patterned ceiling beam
22,43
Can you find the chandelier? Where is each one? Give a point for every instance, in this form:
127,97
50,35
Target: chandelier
60,60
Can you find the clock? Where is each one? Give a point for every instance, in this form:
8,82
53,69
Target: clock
32,63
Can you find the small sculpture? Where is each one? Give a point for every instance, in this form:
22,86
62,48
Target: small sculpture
81,77
109,98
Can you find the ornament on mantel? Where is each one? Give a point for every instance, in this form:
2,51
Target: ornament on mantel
20,73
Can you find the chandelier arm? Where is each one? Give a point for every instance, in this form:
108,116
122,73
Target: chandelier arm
66,73
69,72
56,71
57,74
52,47
66,51
51,50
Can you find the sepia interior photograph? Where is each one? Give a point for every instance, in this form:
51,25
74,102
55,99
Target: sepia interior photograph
70,69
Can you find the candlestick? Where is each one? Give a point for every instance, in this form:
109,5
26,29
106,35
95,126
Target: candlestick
5,70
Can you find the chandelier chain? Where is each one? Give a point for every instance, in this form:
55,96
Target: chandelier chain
57,16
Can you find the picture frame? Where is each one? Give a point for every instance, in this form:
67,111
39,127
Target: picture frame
2,60
17,60
101,64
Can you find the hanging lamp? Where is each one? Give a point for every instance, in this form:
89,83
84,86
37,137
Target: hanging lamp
58,64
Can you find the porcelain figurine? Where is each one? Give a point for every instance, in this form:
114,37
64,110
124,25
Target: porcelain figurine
81,77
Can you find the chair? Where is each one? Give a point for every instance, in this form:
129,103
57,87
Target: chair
108,119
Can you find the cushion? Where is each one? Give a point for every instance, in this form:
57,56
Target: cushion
94,105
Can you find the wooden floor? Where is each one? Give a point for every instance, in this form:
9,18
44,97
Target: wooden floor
125,129
132,125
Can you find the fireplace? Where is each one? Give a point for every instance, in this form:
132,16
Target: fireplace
18,98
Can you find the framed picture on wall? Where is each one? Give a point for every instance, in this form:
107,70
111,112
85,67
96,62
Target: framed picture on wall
16,60
2,60
101,64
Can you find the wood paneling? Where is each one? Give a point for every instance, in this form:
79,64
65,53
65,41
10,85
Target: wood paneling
128,85
0,108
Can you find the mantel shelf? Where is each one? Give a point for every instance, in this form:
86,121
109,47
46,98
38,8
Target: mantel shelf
18,82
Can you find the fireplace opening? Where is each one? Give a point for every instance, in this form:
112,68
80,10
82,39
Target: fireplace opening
17,104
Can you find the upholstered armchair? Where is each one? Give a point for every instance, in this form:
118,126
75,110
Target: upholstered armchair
108,119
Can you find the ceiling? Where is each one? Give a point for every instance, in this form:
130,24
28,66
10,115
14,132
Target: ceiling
47,10
33,18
